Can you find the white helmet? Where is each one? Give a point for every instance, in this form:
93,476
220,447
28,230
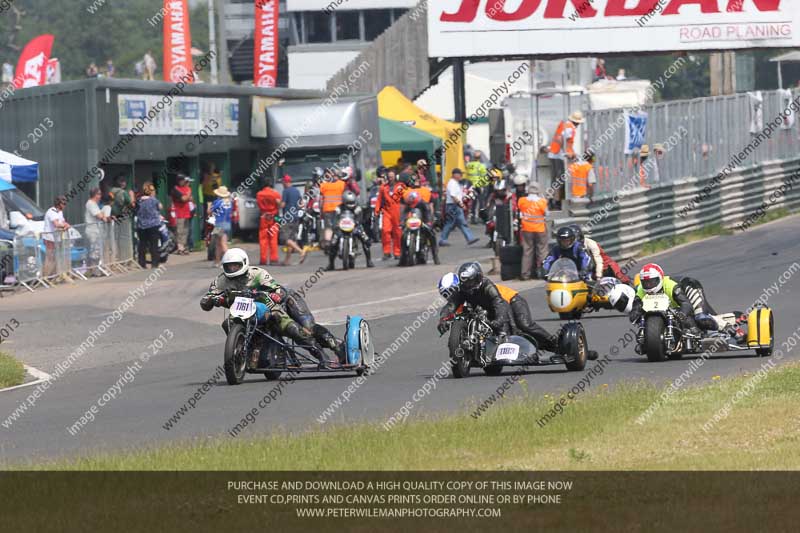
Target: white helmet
235,263
521,179
621,298
448,284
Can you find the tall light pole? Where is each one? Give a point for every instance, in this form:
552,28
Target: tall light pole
212,42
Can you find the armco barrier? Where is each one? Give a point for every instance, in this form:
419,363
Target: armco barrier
624,226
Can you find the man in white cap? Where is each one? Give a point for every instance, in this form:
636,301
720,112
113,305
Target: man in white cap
562,149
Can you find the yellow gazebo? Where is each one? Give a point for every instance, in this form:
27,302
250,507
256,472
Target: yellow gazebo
393,105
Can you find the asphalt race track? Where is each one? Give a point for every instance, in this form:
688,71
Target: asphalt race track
735,270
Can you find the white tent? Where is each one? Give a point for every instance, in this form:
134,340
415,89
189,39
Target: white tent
789,57
438,99
17,169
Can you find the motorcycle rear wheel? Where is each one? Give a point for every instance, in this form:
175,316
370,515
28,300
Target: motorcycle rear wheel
235,360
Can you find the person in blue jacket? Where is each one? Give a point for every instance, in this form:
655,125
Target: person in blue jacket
569,246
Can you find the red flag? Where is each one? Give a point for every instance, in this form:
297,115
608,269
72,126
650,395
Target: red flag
177,42
32,65
266,44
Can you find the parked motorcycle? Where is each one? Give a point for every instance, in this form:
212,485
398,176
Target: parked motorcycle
473,343
307,228
413,245
348,251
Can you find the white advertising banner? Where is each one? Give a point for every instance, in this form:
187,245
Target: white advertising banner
187,115
475,28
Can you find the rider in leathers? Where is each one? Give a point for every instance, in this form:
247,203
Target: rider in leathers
653,281
478,291
569,246
286,309
350,205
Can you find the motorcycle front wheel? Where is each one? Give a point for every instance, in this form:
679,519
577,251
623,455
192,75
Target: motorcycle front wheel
458,358
654,339
235,358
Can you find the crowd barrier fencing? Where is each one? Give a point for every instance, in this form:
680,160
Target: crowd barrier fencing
66,256
700,137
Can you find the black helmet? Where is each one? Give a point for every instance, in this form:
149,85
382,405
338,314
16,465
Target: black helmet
349,199
566,237
317,173
578,231
470,276
381,172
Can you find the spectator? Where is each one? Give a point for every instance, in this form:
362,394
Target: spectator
149,66
562,150
122,200
109,68
621,75
648,170
138,68
211,181
351,183
92,71
454,210
533,212
291,199
4,222
8,73
148,221
583,177
94,216
600,70
221,210
477,176
54,226
182,203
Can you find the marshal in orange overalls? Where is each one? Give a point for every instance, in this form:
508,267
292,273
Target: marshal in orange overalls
389,199
269,203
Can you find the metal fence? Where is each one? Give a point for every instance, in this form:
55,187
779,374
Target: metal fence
66,256
699,138
398,57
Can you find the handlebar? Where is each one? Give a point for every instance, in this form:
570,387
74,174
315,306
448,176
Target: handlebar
247,293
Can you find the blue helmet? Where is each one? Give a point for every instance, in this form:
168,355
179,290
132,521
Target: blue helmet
448,284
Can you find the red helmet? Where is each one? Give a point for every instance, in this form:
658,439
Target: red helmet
413,198
652,278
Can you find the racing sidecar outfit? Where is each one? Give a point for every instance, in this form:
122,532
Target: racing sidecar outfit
266,310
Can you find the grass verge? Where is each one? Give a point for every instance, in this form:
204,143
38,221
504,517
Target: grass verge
12,372
714,230
597,431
